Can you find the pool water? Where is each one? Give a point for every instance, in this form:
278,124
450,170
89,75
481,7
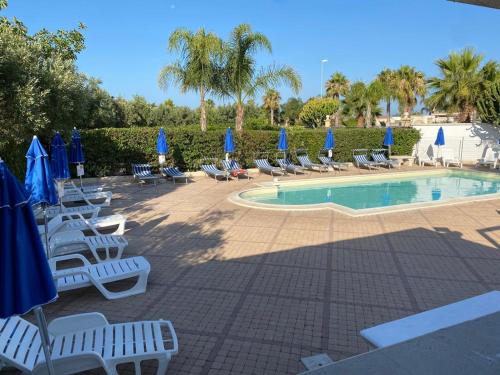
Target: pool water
382,193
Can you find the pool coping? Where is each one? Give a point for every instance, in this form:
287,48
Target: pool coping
236,198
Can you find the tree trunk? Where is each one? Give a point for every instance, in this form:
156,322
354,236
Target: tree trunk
272,116
368,116
239,117
337,118
203,112
388,110
361,121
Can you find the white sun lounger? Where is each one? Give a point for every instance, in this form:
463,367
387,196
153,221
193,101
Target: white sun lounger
70,187
84,342
88,212
425,159
264,166
112,224
417,325
99,199
449,159
490,159
100,274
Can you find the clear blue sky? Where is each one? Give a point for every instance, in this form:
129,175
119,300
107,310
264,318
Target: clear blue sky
126,40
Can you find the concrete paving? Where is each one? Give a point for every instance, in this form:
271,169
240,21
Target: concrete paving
253,291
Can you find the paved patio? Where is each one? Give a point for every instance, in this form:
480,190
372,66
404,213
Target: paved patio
252,291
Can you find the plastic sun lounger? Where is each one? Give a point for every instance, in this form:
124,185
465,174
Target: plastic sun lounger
362,161
71,186
173,173
88,212
326,160
379,157
489,160
142,172
97,344
112,224
427,160
449,159
100,274
433,320
99,199
288,166
233,168
264,166
212,171
308,164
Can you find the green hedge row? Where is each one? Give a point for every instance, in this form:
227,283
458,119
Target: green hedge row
111,151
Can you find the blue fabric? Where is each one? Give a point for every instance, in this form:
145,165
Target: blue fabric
329,141
39,182
161,142
440,137
388,138
59,158
75,148
25,277
282,143
228,142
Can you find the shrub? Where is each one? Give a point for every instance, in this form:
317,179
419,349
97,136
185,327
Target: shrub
314,112
111,151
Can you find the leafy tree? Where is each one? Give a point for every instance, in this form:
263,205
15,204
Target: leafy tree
337,86
488,104
271,102
241,80
461,83
410,84
361,101
314,112
291,110
388,81
197,65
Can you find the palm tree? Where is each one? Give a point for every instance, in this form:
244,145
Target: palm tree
196,67
272,102
241,81
410,84
336,86
461,83
362,101
388,80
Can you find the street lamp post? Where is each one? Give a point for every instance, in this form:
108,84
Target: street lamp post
322,64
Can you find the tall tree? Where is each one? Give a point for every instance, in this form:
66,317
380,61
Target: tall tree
410,84
337,86
271,102
388,81
197,65
362,101
291,110
241,80
461,83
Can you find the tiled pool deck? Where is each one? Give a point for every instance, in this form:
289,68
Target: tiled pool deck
252,291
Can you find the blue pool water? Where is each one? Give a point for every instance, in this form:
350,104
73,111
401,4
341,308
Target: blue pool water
389,192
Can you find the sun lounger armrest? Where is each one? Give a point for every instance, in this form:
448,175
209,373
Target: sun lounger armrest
71,323
61,258
175,341
67,235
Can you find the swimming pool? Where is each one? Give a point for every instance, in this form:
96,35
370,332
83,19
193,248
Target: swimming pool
375,193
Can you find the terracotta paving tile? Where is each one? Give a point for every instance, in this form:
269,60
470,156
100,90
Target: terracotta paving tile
291,255
352,240
254,220
303,237
252,234
307,223
363,261
280,319
469,249
194,356
420,245
489,269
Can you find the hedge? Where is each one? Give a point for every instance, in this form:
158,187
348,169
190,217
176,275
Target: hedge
111,151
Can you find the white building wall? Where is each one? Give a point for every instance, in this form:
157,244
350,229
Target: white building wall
468,141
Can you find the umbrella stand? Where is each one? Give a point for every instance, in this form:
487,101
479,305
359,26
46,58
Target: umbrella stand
81,179
44,335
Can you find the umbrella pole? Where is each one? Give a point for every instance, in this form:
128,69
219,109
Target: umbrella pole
46,225
81,180
44,335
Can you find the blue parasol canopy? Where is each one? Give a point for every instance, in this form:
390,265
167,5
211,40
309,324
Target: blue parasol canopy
25,277
228,141
59,158
440,137
329,141
388,138
282,143
75,149
161,142
39,183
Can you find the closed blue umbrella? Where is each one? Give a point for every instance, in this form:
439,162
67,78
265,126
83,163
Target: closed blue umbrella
440,137
282,142
39,182
329,142
25,277
388,138
161,146
76,154
59,158
228,143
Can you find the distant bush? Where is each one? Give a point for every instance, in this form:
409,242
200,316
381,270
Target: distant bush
111,151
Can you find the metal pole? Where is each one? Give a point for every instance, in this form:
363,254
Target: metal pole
46,225
322,63
45,338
